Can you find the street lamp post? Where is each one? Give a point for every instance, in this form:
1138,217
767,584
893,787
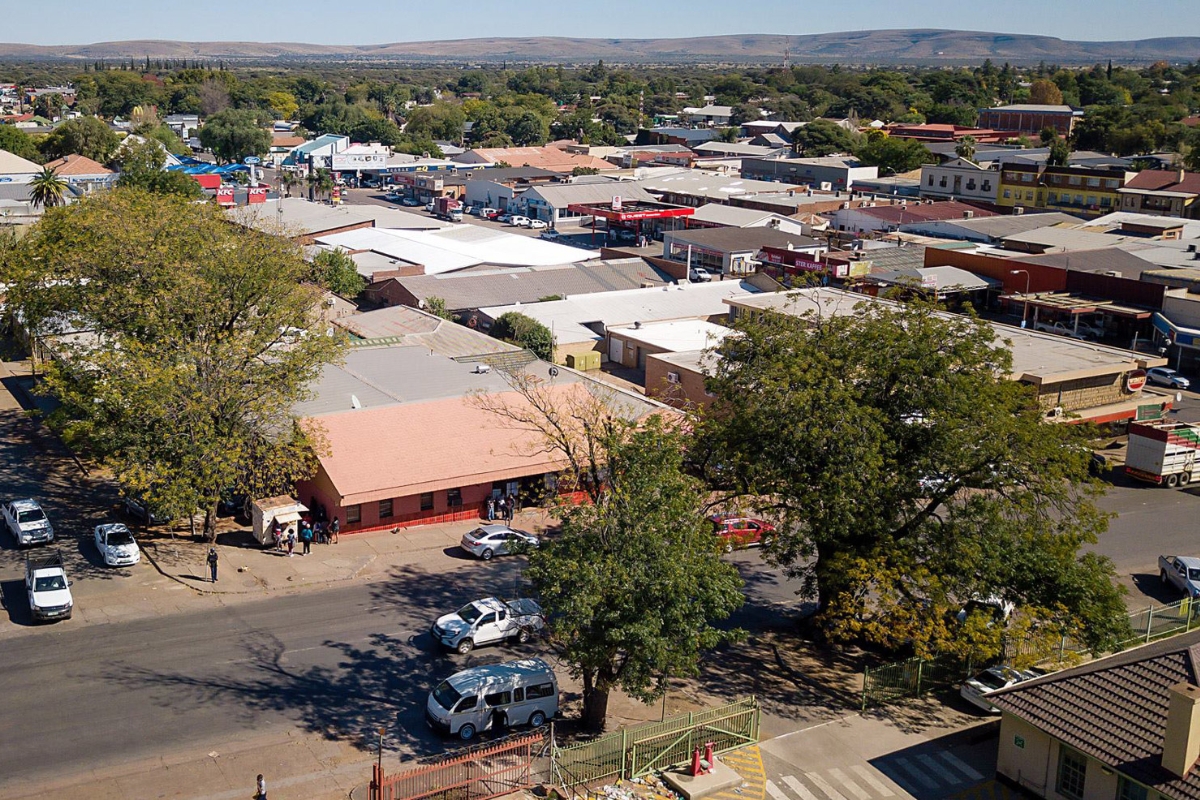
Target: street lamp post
1025,307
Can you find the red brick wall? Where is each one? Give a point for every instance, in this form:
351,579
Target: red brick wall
1041,278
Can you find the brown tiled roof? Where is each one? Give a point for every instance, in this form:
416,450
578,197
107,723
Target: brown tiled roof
78,165
1115,709
925,212
1165,180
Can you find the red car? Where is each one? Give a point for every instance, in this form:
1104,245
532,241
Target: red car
740,532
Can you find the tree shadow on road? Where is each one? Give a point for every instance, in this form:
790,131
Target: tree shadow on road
382,682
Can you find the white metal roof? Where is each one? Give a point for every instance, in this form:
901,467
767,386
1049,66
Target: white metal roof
676,335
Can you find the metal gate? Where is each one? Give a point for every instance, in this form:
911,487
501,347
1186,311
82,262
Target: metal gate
478,774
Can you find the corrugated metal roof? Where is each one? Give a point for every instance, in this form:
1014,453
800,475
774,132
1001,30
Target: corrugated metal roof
469,289
410,327
564,194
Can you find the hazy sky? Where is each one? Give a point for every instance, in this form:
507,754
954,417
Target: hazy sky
382,21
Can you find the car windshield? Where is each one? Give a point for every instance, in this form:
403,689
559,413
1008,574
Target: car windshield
120,537
32,515
1194,574
470,613
446,695
991,680
50,583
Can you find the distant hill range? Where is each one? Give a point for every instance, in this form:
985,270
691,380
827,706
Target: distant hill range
862,47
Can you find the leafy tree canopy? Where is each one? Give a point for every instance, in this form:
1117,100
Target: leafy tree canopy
204,341
893,155
142,167
85,136
526,332
234,134
823,138
336,271
19,143
910,476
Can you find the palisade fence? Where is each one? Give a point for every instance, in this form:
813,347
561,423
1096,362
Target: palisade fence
521,762
916,676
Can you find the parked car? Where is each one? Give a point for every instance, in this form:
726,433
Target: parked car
505,218
116,545
495,696
496,540
1061,328
395,197
520,221
489,213
488,621
48,589
625,235
410,202
551,235
1161,376
990,680
1182,572
139,509
699,275
27,522
741,532
538,225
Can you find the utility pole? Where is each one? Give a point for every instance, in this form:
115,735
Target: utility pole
787,58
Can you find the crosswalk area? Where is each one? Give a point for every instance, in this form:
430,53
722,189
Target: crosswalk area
920,775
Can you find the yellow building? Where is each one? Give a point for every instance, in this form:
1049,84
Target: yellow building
1082,191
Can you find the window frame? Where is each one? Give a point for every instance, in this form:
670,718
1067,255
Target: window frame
353,514
1076,763
454,498
426,501
386,508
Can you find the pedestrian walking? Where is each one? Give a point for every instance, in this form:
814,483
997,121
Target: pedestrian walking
306,534
491,508
334,528
260,787
212,563
291,540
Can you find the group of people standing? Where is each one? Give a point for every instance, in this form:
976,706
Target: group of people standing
311,527
503,507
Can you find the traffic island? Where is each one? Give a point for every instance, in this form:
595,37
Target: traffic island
692,787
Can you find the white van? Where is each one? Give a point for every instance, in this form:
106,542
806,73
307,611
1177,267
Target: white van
494,697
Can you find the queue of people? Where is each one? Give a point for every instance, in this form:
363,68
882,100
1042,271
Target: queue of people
503,508
313,526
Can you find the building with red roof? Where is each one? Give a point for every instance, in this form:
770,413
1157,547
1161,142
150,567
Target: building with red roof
1163,192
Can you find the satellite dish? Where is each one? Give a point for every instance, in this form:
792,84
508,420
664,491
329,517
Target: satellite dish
553,372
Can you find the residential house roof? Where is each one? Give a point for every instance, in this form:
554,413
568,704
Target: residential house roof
550,158
924,212
679,335
77,165
1114,709
470,289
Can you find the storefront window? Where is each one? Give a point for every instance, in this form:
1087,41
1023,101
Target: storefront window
353,514
426,501
385,509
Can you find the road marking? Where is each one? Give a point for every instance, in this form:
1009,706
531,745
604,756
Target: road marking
915,773
823,785
775,792
872,781
799,788
963,766
938,769
848,784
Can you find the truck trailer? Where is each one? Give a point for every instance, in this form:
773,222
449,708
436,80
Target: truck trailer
1162,452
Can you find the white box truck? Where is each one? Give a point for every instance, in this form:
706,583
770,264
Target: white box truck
1162,452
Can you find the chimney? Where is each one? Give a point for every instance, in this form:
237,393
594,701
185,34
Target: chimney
1179,174
1181,739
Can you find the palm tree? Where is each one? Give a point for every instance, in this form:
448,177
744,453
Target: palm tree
46,189
289,179
965,148
323,182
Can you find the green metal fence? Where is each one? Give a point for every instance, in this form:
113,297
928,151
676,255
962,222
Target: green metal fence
911,678
633,752
915,676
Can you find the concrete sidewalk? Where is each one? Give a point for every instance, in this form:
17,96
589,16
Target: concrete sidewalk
249,569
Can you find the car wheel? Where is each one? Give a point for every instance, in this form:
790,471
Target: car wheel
522,636
1172,480
729,547
466,732
1162,576
465,646
487,554
537,719
1185,478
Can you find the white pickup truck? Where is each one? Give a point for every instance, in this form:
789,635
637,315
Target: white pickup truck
48,588
488,621
27,522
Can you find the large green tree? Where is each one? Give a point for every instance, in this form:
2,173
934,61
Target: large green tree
893,155
142,166
519,329
234,134
85,136
336,271
823,138
910,475
634,584
19,143
200,339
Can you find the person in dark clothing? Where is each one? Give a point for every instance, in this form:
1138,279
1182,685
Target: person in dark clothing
334,528
212,563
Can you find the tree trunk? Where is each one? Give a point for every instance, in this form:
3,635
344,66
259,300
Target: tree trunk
210,522
595,705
